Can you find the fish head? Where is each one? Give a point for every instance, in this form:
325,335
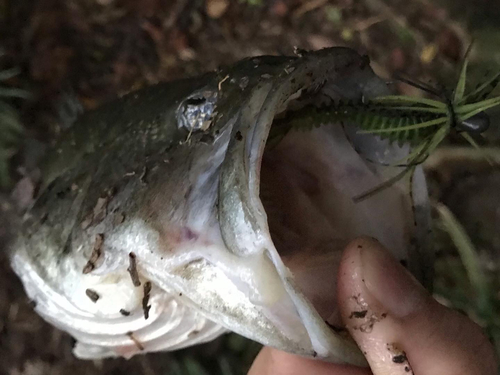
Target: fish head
182,222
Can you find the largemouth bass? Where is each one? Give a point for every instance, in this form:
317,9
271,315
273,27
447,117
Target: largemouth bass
163,220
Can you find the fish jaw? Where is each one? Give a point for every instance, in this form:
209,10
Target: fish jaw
193,216
244,218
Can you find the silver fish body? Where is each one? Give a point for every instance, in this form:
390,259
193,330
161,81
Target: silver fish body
226,233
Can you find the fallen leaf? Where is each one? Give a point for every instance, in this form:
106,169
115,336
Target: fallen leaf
23,193
397,59
428,53
450,45
216,8
279,8
317,41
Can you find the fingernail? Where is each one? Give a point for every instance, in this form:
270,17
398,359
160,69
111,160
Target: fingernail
389,282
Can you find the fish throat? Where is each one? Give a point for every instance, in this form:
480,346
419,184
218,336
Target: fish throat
310,169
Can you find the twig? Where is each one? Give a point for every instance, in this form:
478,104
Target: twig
308,7
132,269
380,7
368,22
92,294
96,254
136,342
145,300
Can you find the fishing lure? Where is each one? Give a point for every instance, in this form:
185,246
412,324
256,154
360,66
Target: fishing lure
422,122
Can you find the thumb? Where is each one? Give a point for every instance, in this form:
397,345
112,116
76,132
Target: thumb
397,324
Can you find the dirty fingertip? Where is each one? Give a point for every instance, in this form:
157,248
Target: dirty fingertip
353,301
370,270
367,319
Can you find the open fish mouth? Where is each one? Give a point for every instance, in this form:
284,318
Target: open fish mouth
166,218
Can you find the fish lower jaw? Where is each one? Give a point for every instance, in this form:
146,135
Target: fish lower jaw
107,314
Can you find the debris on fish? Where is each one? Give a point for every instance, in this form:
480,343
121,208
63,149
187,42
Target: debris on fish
163,220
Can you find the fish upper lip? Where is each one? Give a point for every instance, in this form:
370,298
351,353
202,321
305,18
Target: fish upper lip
242,217
240,171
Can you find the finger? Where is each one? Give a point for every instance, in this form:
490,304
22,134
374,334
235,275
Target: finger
397,324
275,362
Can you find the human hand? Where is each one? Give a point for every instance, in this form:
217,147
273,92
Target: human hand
414,334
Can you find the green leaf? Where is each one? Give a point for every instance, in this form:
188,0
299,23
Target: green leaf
9,126
437,138
416,157
14,93
193,367
460,89
419,157
468,254
225,367
9,73
473,143
482,91
4,168
416,153
476,107
175,367
384,185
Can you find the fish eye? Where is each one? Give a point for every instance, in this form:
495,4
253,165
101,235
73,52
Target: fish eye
478,123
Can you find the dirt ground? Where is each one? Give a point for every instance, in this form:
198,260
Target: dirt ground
93,50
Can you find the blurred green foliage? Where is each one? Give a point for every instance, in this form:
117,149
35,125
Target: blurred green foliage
333,14
252,2
464,282
234,356
10,123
